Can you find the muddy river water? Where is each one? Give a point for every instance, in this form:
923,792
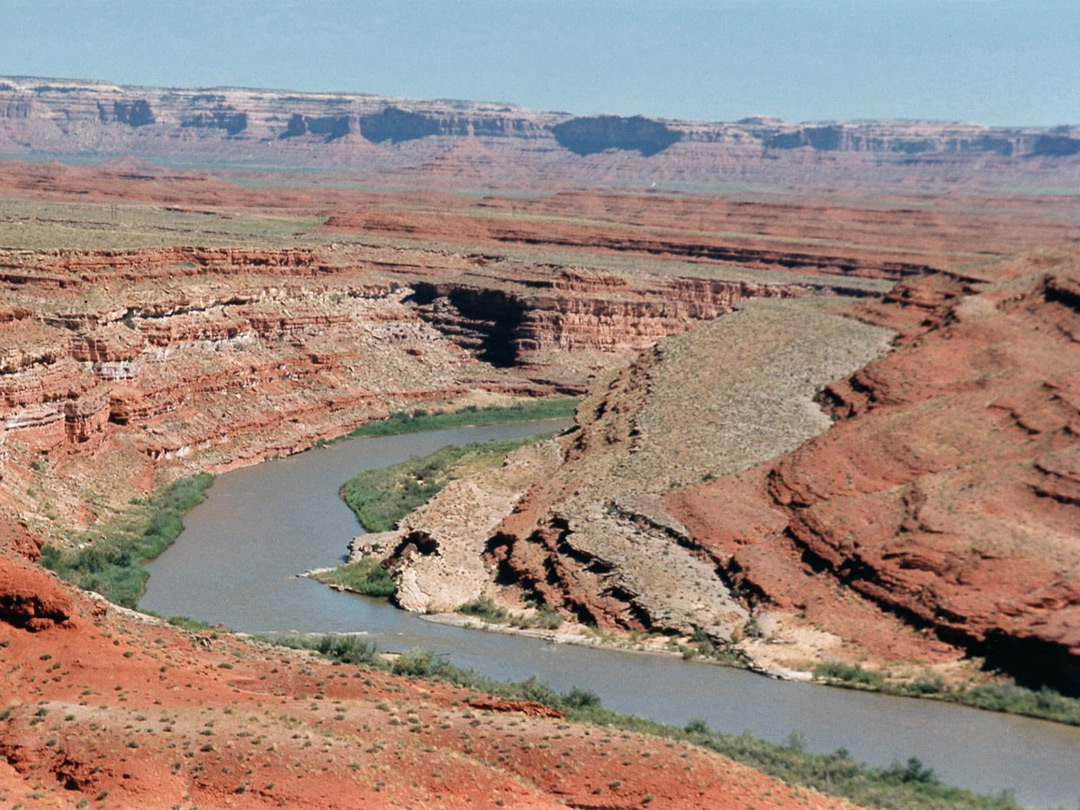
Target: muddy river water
236,561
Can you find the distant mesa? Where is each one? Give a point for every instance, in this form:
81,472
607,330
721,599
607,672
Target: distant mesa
330,126
231,121
396,125
1055,146
587,136
133,113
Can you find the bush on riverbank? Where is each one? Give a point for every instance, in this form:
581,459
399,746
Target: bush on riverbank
485,609
364,576
347,649
1045,703
111,561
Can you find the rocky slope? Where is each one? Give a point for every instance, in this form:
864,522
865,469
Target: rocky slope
590,536
934,519
61,116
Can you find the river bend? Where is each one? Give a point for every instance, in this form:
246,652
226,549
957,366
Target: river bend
236,561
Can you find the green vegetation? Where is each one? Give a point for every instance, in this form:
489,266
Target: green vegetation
364,576
420,419
347,649
1044,703
189,624
110,562
482,607
485,609
901,786
384,496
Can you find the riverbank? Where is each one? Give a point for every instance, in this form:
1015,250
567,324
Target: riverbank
906,785
995,696
383,498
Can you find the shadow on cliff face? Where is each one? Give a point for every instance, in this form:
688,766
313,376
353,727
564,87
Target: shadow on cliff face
586,136
484,322
1031,662
396,125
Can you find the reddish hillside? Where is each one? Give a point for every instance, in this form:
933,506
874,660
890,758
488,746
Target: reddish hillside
948,491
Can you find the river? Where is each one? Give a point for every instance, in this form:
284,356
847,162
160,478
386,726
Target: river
236,561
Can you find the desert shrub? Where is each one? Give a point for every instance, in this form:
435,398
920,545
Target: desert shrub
836,672
422,664
484,608
187,623
349,649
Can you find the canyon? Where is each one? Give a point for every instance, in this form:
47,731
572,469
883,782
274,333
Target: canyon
829,415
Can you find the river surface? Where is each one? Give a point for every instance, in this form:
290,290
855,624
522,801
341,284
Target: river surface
236,561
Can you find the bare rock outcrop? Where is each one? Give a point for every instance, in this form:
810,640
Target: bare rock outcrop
31,599
436,555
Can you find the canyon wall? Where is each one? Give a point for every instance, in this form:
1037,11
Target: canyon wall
946,491
193,357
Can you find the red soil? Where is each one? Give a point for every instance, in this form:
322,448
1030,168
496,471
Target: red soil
126,712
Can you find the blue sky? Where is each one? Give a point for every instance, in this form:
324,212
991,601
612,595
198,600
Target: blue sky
1003,62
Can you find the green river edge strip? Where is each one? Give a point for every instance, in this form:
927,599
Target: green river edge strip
901,786
470,416
109,560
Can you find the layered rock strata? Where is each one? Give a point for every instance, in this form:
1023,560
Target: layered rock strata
215,357
932,517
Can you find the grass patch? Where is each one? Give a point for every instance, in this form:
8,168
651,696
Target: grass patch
420,419
111,564
380,498
364,576
1044,703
